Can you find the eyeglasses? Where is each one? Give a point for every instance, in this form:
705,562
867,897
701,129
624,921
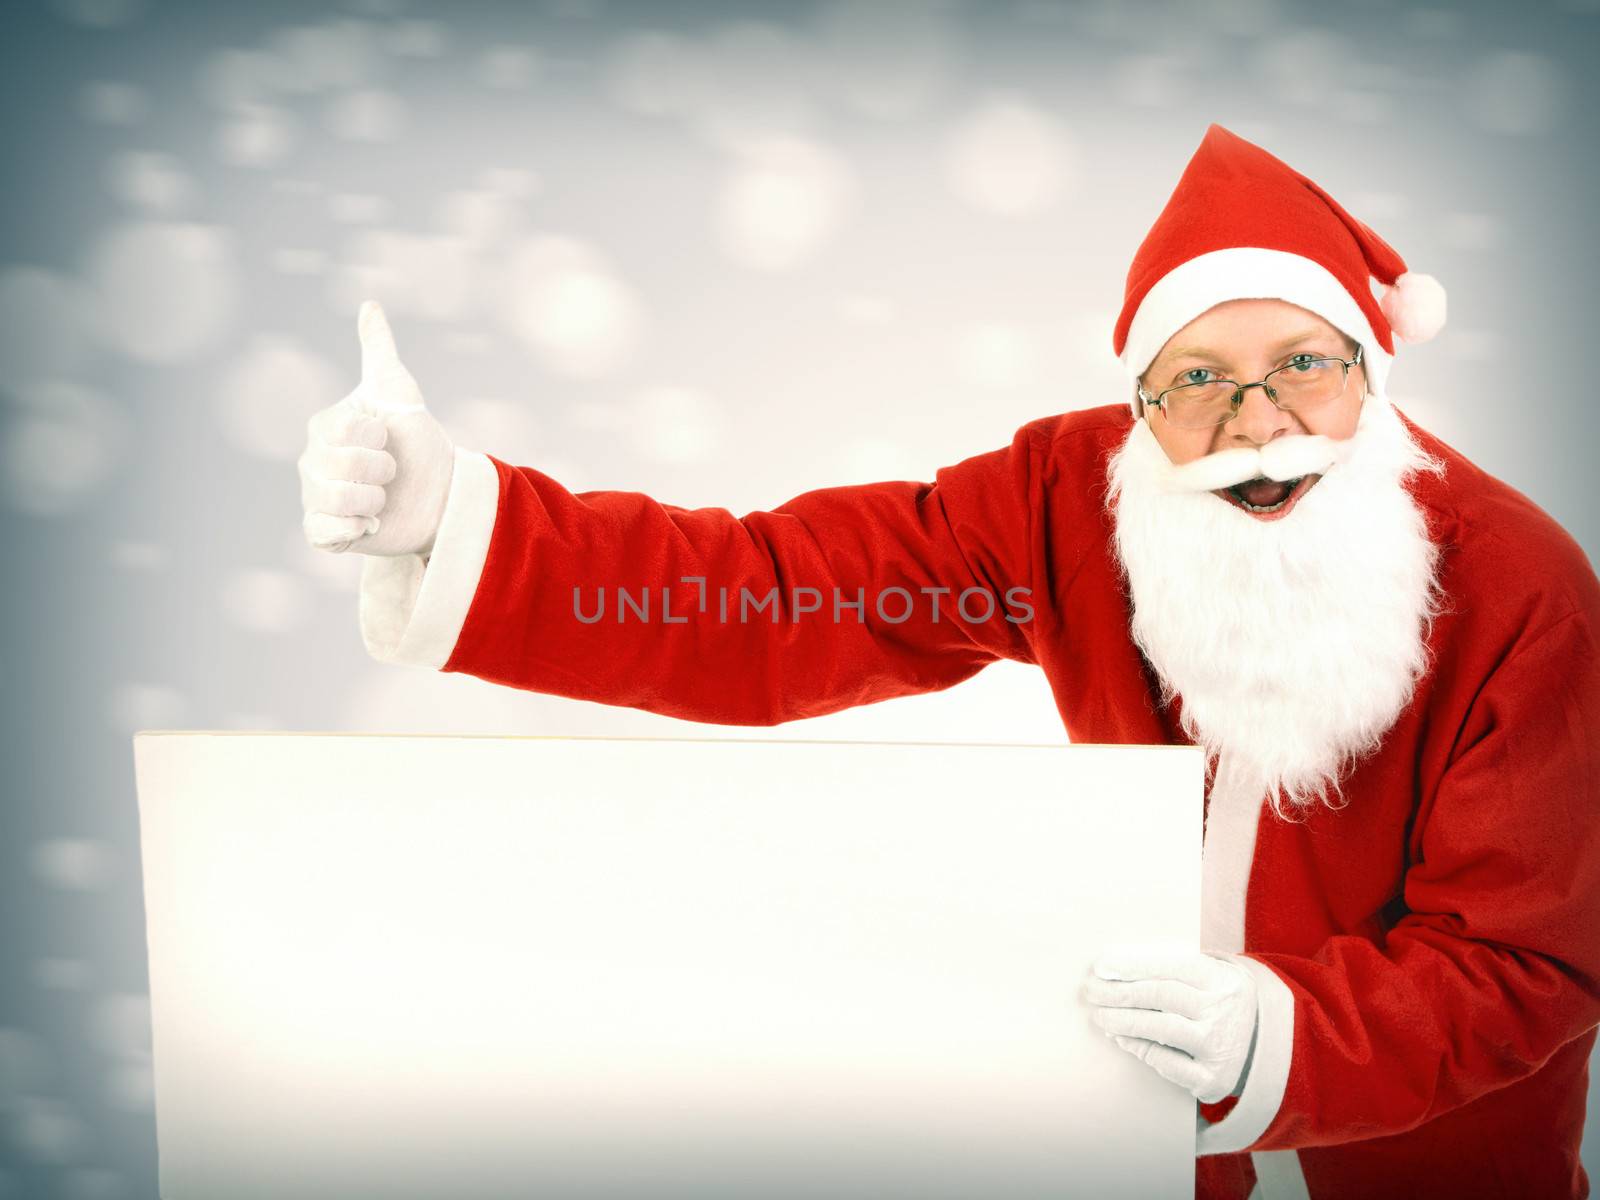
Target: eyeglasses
1297,387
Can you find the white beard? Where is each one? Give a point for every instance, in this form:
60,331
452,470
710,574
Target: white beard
1293,644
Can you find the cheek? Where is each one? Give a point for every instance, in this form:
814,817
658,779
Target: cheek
1339,419
1185,445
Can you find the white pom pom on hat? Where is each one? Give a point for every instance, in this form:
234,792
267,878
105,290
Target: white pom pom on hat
1414,306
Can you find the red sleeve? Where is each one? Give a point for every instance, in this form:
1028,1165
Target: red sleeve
839,597
1496,964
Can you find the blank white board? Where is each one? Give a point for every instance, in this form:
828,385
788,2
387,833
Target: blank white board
425,967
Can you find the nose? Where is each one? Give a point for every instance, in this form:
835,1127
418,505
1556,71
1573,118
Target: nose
1257,420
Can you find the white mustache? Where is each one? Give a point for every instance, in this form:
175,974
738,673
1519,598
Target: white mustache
1283,459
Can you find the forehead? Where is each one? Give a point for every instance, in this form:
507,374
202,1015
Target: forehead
1245,327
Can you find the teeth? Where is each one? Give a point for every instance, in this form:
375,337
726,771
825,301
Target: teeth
1271,508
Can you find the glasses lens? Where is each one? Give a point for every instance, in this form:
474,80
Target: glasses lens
1197,405
1307,384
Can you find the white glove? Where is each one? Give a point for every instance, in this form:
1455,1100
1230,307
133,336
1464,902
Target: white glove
1190,1016
376,468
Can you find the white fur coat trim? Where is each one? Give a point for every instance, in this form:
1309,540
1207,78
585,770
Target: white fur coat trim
1269,1066
412,614
1230,844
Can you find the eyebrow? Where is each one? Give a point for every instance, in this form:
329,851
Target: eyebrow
1207,352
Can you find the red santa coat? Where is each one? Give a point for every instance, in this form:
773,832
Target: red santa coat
1428,956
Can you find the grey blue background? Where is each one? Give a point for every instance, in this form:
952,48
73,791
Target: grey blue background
719,252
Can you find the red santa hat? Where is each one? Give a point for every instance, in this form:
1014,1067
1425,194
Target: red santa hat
1243,225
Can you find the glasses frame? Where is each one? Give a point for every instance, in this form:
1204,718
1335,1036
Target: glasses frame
1147,401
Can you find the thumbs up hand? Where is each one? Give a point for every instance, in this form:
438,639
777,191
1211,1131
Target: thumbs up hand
376,469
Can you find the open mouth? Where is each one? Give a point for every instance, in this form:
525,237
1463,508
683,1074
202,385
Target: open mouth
1263,497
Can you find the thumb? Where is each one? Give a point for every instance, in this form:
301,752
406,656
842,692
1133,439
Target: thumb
379,358
383,375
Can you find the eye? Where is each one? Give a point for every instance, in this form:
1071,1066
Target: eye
1304,364
1195,375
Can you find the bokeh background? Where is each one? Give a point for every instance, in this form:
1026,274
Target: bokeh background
719,252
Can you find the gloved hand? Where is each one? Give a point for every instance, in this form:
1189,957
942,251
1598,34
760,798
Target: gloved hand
1190,1016
376,468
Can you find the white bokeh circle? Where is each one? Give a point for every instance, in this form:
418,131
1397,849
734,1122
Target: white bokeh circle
48,1130
412,274
233,79
257,135
165,290
112,102
888,59
58,446
996,356
1008,157
561,298
1516,92
266,601
676,425
368,115
509,68
151,182
74,864
326,56
781,202
134,707
653,73
47,325
272,389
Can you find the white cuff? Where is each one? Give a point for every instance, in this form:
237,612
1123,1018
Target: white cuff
1269,1070
412,614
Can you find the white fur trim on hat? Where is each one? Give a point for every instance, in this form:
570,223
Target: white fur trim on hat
1247,273
1414,306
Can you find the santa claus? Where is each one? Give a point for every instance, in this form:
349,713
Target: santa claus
1389,657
